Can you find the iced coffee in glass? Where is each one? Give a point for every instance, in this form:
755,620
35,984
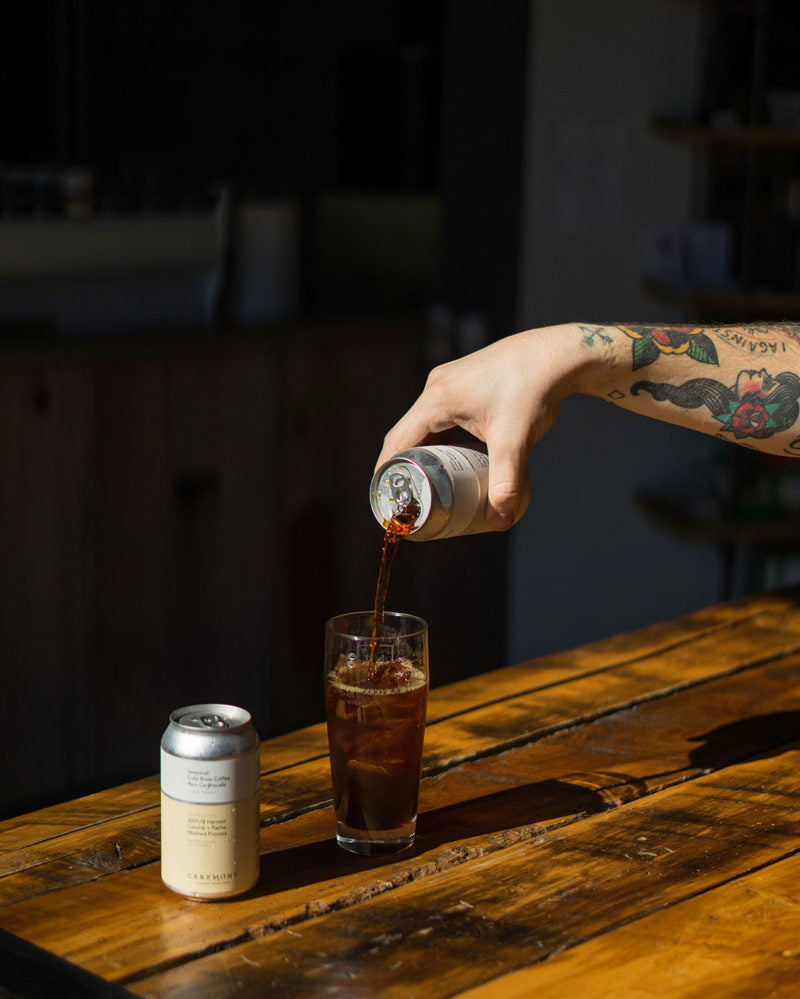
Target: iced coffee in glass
376,691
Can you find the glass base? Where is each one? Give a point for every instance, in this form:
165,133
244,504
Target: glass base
372,843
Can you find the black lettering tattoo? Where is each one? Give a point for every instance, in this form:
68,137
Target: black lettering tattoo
757,406
790,330
758,341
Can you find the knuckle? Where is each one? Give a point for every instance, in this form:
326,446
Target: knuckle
437,375
505,492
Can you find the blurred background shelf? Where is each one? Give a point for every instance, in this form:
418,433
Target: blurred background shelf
733,136
744,137
732,306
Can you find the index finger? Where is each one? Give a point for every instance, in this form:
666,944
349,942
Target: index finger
411,430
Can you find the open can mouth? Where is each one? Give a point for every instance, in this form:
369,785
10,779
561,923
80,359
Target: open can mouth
414,476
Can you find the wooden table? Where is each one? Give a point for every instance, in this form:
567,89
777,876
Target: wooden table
622,819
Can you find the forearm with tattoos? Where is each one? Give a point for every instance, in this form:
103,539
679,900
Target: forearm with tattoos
739,383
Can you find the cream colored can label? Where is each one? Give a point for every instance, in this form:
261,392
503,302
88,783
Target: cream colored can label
209,825
469,471
209,850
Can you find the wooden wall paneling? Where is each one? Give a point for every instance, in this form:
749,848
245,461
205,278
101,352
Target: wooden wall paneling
134,674
194,484
457,585
344,388
223,574
338,400
383,374
250,574
186,513
310,442
222,416
45,581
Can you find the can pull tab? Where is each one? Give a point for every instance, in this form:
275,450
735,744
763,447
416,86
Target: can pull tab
401,488
213,721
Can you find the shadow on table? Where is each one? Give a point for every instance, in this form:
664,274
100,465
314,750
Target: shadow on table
735,741
549,800
541,802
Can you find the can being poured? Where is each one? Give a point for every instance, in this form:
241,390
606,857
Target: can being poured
450,485
209,801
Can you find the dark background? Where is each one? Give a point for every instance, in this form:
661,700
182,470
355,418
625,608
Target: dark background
286,100
181,508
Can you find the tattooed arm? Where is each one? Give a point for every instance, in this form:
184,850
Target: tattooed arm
739,383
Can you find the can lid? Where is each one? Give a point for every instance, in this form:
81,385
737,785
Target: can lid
210,717
417,475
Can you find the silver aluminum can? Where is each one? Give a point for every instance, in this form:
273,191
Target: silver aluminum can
449,483
209,801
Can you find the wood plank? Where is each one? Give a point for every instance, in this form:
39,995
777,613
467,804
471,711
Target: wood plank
474,810
547,707
309,743
517,906
73,858
739,939
511,681
278,753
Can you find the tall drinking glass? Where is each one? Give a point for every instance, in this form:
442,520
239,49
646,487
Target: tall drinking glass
376,692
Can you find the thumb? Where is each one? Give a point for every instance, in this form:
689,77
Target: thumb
506,484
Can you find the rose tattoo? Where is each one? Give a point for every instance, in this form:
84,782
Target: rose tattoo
757,406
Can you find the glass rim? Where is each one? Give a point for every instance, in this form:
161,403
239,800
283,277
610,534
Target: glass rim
332,627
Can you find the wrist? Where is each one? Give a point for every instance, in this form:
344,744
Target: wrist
598,357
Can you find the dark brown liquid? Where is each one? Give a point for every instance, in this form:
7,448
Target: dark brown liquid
401,524
375,735
376,719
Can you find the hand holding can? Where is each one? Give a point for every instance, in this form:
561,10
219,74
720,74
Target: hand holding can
449,486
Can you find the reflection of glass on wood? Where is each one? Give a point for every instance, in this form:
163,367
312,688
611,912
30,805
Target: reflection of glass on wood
402,523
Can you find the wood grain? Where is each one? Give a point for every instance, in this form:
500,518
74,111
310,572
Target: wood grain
702,946
472,810
544,707
520,904
502,685
569,803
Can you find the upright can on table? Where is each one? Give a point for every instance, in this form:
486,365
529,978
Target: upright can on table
449,484
209,801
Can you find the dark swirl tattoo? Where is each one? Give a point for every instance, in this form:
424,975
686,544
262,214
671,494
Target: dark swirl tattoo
757,406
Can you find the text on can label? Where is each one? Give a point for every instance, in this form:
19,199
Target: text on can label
211,781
